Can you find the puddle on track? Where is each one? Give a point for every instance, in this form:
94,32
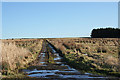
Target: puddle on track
61,71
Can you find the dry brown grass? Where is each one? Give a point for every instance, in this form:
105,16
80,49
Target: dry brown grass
110,60
12,54
17,54
102,52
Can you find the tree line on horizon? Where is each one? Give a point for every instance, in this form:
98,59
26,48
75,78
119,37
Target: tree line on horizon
105,33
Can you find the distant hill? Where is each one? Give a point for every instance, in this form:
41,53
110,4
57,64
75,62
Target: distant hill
106,33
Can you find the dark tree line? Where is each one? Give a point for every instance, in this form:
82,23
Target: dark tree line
106,33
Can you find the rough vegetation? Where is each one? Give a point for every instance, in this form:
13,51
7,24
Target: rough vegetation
17,54
96,55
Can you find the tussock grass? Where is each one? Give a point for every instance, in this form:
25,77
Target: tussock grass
99,55
16,54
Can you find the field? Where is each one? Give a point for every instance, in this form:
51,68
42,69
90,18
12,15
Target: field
92,55
18,53
96,55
